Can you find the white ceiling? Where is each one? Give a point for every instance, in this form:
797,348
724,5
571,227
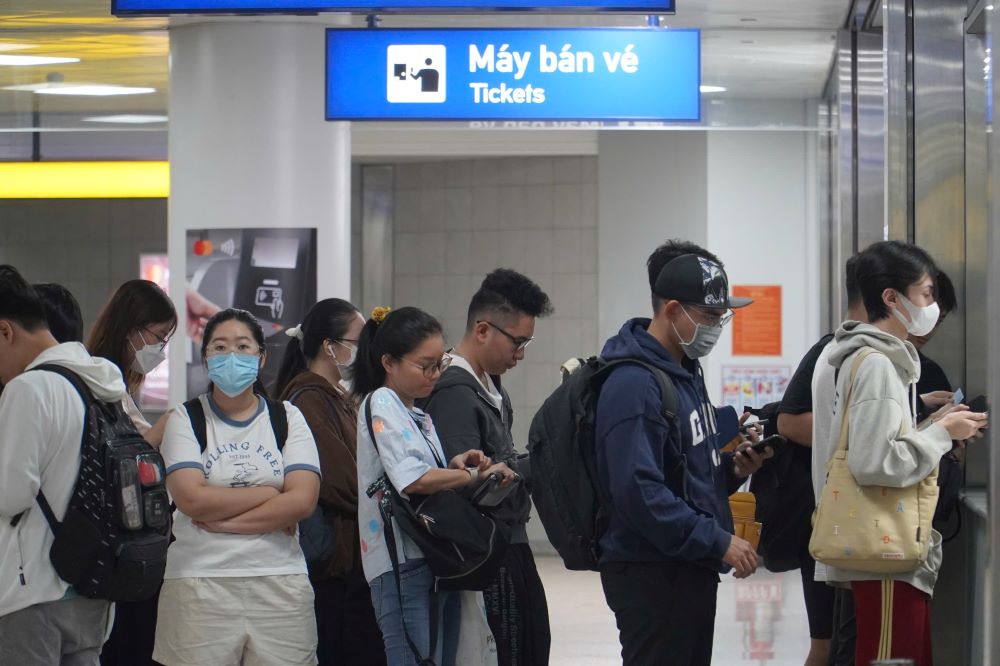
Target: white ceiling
755,48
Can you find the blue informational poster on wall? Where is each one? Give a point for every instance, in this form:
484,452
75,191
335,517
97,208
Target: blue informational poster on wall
162,7
522,74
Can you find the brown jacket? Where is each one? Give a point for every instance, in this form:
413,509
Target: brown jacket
332,417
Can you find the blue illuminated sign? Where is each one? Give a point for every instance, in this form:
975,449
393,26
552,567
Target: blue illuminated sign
513,74
161,7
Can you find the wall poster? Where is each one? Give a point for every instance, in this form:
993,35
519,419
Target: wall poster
270,272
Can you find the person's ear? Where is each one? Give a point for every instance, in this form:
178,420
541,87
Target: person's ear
6,331
890,298
670,309
388,362
263,360
482,330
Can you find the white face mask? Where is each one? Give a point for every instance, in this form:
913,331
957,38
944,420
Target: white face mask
345,366
148,357
922,319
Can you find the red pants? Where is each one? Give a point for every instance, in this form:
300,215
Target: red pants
894,622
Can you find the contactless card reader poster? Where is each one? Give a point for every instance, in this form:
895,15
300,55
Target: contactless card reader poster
513,74
269,272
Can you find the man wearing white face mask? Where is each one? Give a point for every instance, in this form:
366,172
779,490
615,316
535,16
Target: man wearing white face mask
671,531
885,446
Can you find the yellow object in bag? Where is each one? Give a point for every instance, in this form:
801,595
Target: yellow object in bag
870,528
744,508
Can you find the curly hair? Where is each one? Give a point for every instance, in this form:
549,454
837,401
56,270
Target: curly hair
506,293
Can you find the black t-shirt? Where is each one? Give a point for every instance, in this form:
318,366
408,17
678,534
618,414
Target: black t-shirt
932,377
798,394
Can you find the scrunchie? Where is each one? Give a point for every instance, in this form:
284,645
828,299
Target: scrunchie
296,332
380,313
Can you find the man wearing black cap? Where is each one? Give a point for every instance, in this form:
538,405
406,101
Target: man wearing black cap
662,554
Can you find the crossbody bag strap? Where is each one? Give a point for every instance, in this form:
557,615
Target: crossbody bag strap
390,542
842,443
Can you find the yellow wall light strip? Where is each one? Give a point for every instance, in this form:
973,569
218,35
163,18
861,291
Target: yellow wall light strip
84,180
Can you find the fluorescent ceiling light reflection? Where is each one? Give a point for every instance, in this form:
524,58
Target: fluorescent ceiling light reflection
127,119
29,60
11,46
84,89
712,89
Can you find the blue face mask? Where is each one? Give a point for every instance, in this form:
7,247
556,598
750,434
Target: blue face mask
233,372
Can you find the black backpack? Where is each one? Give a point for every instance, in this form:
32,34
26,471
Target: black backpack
112,542
574,510
315,536
784,493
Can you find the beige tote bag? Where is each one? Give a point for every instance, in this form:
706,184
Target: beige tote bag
870,528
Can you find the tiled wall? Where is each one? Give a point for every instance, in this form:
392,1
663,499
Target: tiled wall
457,220
89,245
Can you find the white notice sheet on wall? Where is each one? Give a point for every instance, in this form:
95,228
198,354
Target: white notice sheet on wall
753,386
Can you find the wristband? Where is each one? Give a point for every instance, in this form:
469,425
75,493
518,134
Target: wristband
473,474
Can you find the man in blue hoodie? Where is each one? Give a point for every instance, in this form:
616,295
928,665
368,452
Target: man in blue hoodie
662,553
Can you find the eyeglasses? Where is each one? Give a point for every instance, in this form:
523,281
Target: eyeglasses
162,342
519,343
434,368
710,319
219,347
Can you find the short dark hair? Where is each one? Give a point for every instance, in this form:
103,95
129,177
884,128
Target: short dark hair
19,302
666,253
401,332
889,265
946,298
62,312
851,281
505,293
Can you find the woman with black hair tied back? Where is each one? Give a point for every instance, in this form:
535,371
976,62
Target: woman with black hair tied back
401,355
243,471
313,377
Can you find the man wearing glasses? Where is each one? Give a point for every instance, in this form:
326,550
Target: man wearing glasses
472,411
671,529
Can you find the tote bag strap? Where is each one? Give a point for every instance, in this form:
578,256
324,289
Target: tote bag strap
842,444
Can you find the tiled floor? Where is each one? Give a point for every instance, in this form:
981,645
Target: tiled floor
760,620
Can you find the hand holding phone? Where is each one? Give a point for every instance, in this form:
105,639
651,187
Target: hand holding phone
774,442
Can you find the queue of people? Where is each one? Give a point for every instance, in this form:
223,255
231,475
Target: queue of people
382,435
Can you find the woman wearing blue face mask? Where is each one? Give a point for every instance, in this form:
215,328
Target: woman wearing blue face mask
236,589
312,377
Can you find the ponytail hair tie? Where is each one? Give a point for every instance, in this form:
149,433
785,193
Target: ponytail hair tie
380,313
295,332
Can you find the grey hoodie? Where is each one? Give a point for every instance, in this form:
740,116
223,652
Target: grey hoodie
41,425
895,453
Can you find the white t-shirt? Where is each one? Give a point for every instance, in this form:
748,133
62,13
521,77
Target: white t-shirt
824,398
495,396
408,447
239,454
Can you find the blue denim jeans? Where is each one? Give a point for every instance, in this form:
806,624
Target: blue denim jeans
417,584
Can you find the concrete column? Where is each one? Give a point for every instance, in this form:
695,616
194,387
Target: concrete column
249,146
653,187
